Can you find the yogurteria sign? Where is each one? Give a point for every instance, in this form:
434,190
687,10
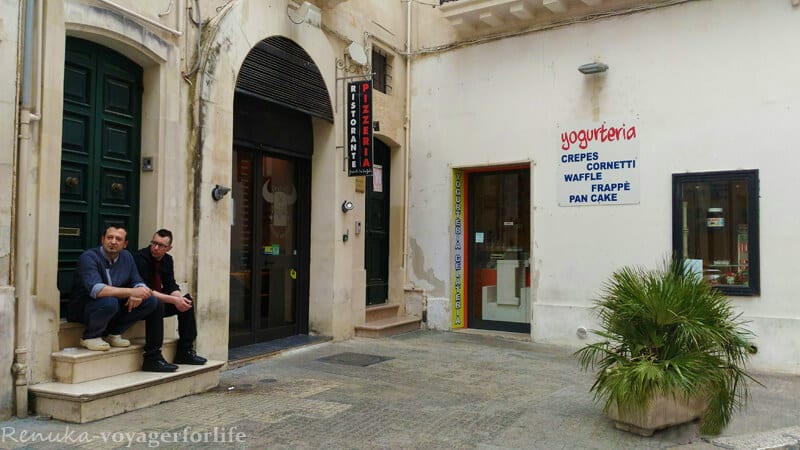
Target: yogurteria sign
359,128
598,165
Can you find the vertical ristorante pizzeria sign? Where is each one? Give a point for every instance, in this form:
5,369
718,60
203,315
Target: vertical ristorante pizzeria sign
359,128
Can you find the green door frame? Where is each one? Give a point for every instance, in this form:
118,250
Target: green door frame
100,152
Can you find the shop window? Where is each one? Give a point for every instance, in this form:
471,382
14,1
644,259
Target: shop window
381,71
715,227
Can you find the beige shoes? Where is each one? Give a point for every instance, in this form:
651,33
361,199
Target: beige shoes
116,340
95,344
103,344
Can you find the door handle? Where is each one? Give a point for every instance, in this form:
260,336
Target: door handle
72,181
117,187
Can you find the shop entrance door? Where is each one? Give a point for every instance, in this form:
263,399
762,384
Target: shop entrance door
498,217
269,254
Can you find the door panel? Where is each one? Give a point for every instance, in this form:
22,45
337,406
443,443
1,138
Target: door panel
100,150
376,226
278,196
241,280
269,260
498,216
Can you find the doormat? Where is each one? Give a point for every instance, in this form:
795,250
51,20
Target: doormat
354,359
273,347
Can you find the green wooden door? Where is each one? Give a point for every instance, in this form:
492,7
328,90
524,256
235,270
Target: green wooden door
99,152
376,226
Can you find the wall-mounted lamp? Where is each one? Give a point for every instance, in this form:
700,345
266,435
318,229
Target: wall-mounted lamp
218,192
593,67
347,206
376,126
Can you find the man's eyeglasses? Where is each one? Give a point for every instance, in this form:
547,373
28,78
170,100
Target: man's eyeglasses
158,244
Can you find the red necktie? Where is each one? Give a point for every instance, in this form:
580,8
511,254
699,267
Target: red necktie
157,276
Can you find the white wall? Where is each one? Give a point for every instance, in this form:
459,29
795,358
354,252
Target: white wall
709,85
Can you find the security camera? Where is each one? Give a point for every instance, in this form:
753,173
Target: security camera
219,191
347,206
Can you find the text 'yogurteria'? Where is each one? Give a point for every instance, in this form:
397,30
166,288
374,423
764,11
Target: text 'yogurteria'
600,134
600,175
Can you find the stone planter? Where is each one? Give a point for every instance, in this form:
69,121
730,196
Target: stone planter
663,412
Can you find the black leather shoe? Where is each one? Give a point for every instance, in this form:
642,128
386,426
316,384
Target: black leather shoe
189,357
157,364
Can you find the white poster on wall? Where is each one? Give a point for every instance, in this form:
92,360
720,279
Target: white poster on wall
377,178
598,164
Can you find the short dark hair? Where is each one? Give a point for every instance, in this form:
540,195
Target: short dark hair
119,226
164,233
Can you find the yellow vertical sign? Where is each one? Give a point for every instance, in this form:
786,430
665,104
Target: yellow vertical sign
457,276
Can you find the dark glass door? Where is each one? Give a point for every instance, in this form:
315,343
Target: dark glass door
100,148
498,217
269,257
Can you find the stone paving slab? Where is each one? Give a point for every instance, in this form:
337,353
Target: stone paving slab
786,438
433,390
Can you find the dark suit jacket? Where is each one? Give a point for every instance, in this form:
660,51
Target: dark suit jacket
145,263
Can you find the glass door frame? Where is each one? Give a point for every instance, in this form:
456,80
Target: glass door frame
474,321
259,333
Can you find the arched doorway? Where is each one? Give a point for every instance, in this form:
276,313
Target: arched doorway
278,90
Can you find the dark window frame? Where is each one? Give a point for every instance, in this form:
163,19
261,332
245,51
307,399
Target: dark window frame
754,263
380,70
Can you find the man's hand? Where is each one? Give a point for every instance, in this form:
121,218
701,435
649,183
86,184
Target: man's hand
133,302
141,292
182,304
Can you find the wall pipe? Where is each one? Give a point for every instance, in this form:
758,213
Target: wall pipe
406,170
23,214
180,19
36,114
179,15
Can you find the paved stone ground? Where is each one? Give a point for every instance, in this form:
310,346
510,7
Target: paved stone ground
434,390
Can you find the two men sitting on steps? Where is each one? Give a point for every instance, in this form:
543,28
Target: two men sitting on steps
109,296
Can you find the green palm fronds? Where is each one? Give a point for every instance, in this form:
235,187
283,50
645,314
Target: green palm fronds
668,332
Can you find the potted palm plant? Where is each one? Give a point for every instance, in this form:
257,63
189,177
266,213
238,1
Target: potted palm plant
672,351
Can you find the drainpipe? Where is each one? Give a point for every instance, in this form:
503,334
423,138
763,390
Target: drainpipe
23,256
407,143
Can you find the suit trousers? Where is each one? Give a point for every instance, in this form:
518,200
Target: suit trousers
187,326
109,315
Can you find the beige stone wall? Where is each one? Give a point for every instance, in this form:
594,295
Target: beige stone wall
157,51
337,267
187,129
380,24
9,34
6,351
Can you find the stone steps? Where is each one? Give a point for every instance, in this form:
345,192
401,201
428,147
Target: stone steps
70,333
378,312
92,385
388,326
97,399
77,364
